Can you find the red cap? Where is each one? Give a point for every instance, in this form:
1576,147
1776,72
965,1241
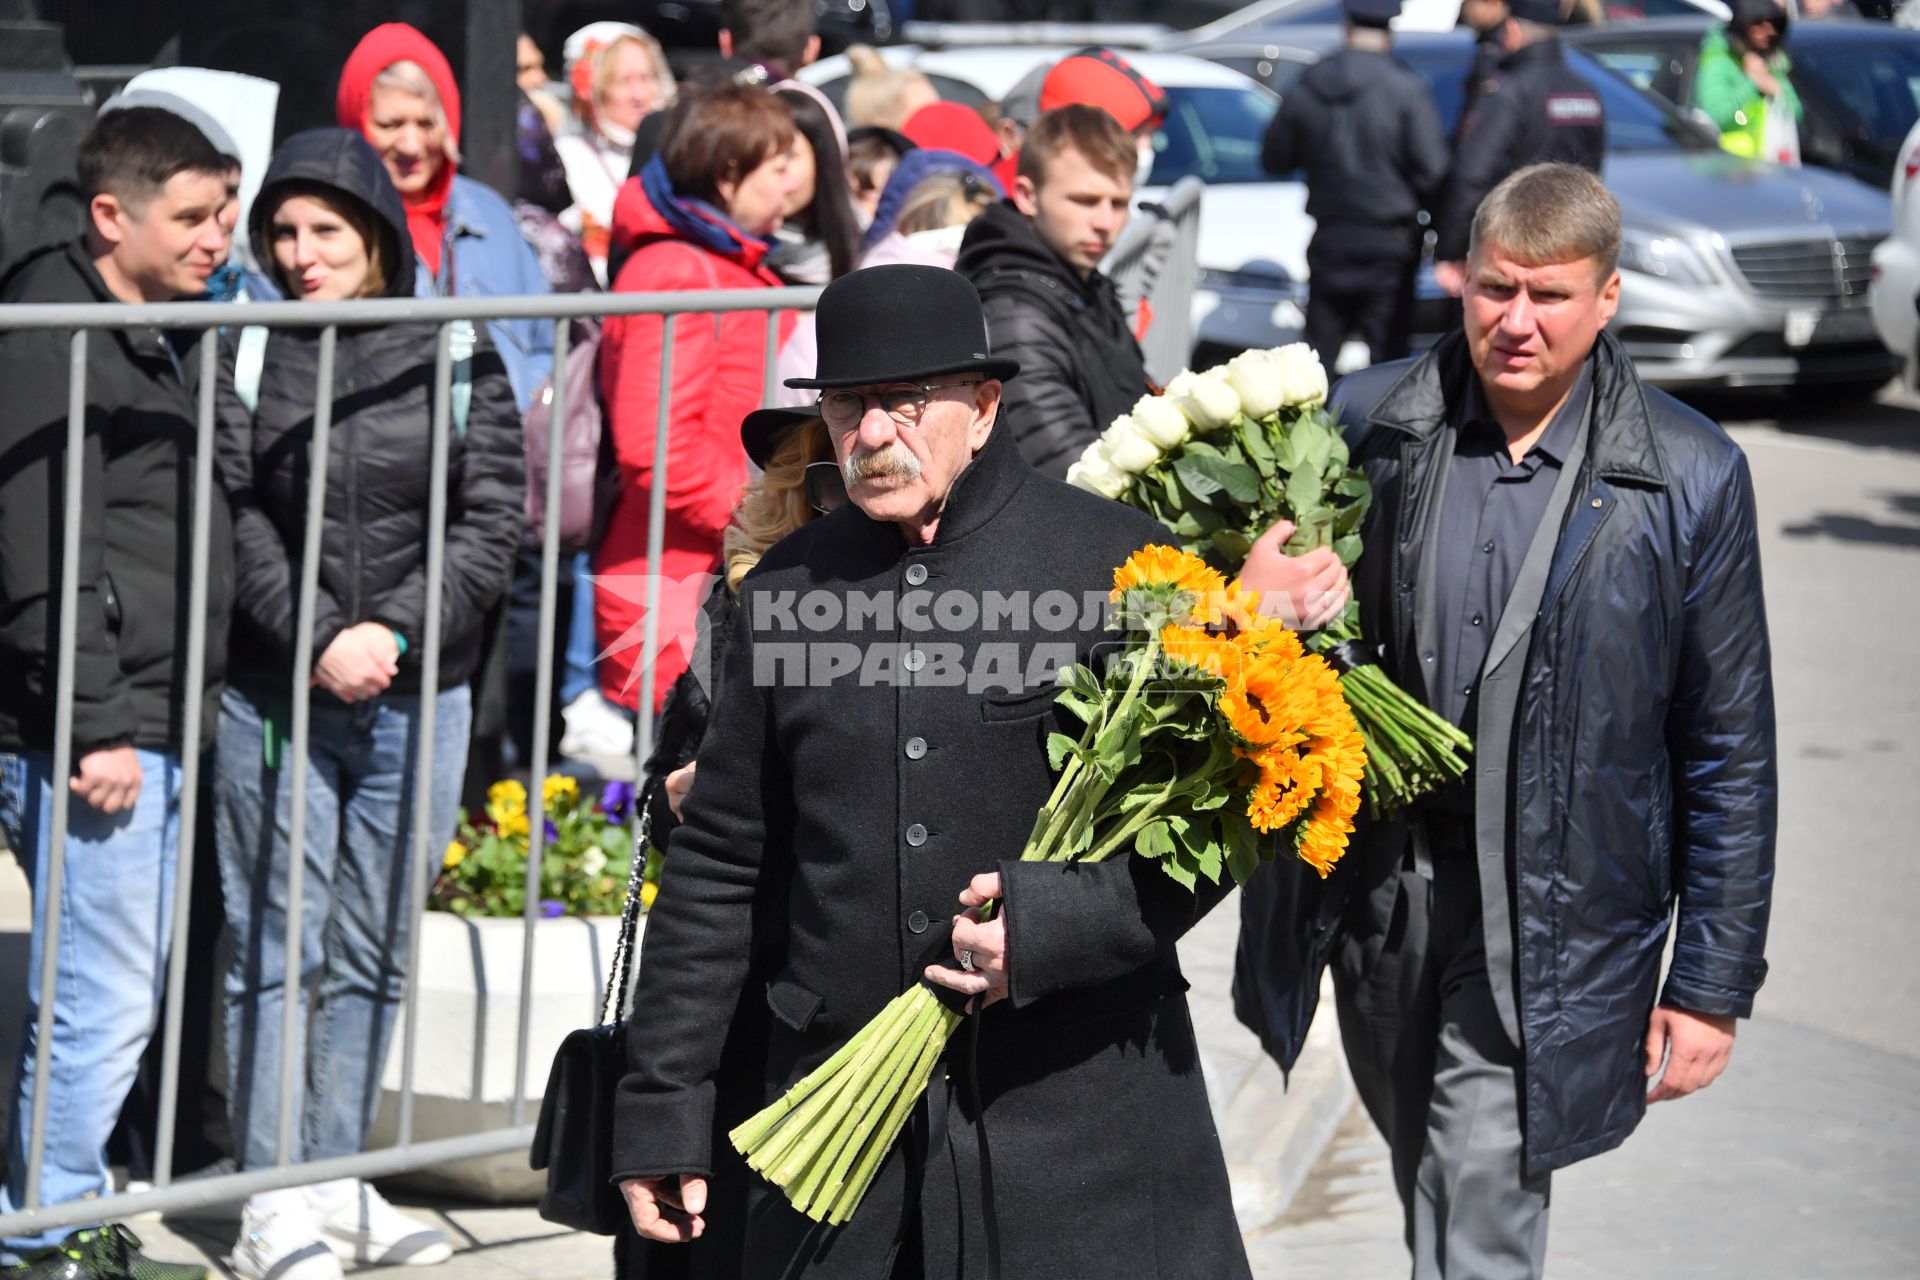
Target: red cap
1102,78
948,126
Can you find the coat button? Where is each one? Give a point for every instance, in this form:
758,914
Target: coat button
916,574
916,748
917,922
914,660
1475,620
916,835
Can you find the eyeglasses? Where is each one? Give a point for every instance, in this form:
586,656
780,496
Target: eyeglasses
826,486
842,410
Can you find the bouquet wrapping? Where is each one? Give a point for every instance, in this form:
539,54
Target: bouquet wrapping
1225,455
1211,740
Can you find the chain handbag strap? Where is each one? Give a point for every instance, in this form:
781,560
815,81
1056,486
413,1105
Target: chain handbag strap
615,999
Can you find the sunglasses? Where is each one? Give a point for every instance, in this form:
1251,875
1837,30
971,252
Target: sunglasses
826,486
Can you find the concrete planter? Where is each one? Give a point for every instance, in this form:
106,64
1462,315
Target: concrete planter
469,988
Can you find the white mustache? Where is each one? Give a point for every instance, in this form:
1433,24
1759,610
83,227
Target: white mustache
894,460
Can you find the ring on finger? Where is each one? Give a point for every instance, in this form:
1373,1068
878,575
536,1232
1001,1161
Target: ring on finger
966,959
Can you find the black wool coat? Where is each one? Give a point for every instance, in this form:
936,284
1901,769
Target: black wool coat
854,811
1641,785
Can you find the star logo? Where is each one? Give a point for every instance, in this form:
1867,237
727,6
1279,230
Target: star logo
676,598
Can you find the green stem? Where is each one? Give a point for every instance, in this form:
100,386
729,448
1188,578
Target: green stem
941,1023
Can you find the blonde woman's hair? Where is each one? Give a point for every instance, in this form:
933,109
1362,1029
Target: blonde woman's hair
876,92
943,200
408,76
775,504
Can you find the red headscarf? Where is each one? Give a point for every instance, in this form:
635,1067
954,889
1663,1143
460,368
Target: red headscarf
948,126
379,49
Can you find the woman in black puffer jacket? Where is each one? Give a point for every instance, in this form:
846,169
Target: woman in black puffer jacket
329,225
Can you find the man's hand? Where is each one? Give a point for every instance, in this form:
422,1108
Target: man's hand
982,945
108,779
1451,277
1696,1047
359,663
667,1209
1760,73
679,783
1306,592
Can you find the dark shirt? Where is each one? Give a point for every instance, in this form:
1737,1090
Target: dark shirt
1488,518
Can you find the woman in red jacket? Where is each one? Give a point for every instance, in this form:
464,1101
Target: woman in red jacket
700,216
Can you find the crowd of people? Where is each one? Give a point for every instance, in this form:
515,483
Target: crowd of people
967,349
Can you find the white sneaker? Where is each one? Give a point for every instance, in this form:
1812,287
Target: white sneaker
280,1240
595,727
358,1224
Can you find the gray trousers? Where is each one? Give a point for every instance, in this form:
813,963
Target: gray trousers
1438,1074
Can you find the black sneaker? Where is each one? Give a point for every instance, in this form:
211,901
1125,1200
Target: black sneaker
102,1253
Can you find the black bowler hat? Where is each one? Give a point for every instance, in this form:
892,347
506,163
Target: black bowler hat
763,431
1372,13
900,323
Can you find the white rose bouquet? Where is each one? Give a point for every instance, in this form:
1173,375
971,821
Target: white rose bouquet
1221,458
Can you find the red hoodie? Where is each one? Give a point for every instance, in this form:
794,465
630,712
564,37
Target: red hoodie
719,367
379,49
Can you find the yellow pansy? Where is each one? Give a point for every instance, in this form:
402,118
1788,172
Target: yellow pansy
455,852
648,892
559,785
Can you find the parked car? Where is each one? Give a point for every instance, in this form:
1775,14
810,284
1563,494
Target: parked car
1895,295
1252,258
1736,272
1856,82
1438,15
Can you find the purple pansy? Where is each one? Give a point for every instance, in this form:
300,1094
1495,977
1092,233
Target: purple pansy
616,798
551,910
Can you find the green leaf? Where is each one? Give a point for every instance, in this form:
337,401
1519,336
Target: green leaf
1208,476
1232,544
1059,747
1154,840
1182,873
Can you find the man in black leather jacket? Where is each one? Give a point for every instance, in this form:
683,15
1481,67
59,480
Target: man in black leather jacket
1035,261
1532,110
1364,128
1564,562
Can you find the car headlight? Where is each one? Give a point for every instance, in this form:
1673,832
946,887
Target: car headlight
1666,257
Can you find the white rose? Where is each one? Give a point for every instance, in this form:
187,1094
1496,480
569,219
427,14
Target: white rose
1300,372
1129,448
1258,382
593,861
1206,398
1096,473
1160,420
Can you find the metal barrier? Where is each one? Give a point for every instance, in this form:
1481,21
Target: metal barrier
87,320
1157,258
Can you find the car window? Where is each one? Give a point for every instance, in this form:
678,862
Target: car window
1212,133
1653,66
1635,122
1877,85
1627,10
1277,73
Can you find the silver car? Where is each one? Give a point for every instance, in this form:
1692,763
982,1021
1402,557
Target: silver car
1735,273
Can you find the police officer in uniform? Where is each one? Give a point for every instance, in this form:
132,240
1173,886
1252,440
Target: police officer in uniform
1364,128
1533,109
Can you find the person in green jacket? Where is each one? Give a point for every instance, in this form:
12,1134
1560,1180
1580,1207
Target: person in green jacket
1742,83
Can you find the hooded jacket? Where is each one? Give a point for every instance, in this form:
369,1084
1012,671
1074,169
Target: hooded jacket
137,497
373,541
1080,366
467,236
1640,776
718,377
1722,88
1364,128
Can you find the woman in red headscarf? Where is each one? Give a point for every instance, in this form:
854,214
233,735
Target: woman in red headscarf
399,92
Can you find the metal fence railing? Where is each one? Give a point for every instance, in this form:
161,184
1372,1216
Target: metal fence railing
1157,258
1146,259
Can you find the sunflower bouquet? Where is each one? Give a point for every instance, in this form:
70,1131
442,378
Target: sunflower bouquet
1211,740
1225,455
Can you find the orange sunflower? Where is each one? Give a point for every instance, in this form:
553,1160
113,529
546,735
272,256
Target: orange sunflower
1308,746
1162,566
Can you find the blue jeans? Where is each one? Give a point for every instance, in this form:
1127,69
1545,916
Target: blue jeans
116,920
357,916
576,676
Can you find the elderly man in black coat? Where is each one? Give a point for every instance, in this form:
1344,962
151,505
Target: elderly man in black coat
1564,562
876,761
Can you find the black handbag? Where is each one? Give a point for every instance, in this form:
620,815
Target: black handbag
573,1139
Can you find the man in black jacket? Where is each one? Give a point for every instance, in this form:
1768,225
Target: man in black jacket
156,191
1564,562
877,752
1035,261
1364,128
1533,109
